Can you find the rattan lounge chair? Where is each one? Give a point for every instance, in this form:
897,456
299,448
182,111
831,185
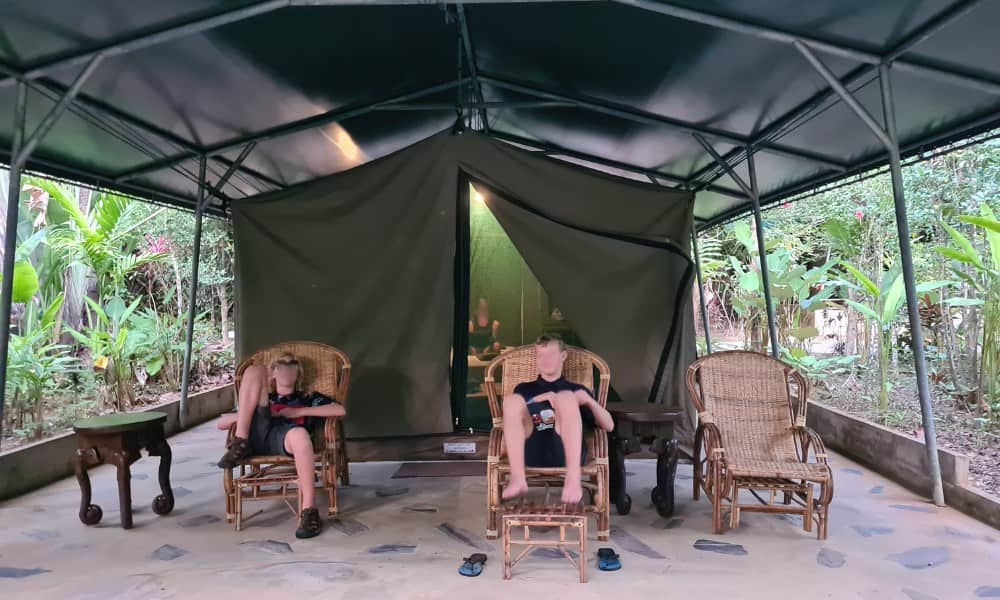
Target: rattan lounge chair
326,370
752,426
515,366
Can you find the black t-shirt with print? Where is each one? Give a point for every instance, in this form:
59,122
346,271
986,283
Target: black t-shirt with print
544,447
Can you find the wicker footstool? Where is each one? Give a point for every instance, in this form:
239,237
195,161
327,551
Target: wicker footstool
547,516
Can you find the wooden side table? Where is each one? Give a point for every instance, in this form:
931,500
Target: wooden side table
639,424
559,516
118,439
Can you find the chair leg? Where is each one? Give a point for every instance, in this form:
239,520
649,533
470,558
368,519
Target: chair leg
227,486
696,466
492,501
807,515
604,502
239,506
342,458
734,514
716,511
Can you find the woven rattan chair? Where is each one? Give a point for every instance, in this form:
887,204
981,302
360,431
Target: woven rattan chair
326,370
515,366
752,424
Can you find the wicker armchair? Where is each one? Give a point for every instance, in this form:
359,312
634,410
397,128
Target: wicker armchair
515,366
326,370
752,424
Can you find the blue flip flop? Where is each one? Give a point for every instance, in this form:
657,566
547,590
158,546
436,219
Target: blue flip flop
607,560
473,565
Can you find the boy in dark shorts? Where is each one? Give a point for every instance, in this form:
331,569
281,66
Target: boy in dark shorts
276,417
543,422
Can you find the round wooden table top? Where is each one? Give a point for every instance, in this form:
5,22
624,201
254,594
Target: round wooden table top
643,412
118,422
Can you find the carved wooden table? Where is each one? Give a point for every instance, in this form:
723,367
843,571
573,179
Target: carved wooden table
640,424
118,439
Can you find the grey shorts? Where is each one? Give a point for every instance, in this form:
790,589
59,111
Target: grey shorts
267,433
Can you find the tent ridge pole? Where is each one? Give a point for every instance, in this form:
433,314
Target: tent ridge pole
775,34
147,39
337,114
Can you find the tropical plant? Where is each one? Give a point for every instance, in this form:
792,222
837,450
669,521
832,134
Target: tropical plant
986,282
884,302
797,291
111,348
35,367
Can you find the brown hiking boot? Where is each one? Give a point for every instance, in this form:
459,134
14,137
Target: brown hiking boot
236,451
309,524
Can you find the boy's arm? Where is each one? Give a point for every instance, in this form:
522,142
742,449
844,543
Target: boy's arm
326,410
602,417
226,421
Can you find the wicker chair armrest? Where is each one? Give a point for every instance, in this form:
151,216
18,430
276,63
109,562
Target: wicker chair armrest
712,439
230,434
808,438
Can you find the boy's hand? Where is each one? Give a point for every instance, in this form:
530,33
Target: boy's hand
546,397
290,412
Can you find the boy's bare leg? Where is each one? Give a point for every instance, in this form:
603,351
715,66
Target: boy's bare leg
516,429
299,445
570,427
253,393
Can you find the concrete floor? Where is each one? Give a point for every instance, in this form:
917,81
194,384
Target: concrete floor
404,538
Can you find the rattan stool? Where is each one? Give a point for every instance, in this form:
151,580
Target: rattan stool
548,516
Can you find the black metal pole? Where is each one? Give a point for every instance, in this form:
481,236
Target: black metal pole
193,290
10,239
909,284
701,291
772,325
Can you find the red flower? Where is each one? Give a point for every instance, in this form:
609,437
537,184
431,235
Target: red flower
859,214
159,245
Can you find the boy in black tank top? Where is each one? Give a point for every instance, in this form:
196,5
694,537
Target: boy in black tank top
543,422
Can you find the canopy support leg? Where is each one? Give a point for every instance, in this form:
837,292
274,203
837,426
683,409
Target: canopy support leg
199,214
21,149
701,291
10,239
888,137
751,191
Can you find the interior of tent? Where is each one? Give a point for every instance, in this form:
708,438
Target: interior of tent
391,261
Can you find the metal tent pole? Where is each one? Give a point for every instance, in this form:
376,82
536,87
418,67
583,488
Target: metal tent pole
909,283
10,239
750,189
765,275
889,139
22,149
701,291
193,289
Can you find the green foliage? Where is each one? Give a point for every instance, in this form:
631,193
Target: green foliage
986,281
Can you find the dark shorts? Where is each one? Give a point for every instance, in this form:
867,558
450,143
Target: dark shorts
544,449
267,434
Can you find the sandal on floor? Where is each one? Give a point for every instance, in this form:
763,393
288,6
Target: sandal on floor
608,560
473,565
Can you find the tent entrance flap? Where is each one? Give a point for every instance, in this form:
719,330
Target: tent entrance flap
371,260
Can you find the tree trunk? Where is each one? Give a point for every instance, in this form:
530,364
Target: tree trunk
224,312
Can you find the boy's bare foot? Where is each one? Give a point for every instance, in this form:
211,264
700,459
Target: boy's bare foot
572,492
515,489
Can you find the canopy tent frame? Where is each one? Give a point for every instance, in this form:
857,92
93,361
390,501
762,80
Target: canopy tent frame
702,179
